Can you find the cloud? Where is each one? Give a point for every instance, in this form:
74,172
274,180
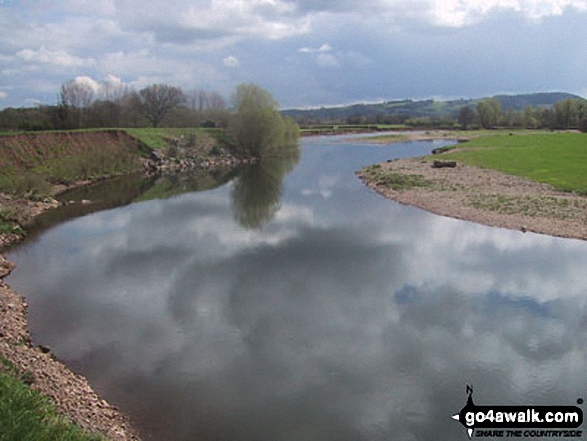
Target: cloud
457,13
89,82
415,49
323,55
309,50
231,61
3,95
55,57
327,60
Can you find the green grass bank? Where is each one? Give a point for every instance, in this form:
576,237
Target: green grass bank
25,414
558,159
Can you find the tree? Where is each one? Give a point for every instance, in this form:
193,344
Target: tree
489,111
156,100
530,119
568,113
75,97
257,126
466,117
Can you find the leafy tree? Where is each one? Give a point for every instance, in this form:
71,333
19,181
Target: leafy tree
257,126
530,119
156,100
466,117
565,114
489,111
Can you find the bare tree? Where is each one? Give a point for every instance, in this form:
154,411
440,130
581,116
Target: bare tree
157,100
216,101
201,100
75,98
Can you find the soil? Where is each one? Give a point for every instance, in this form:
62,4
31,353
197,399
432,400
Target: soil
482,195
30,149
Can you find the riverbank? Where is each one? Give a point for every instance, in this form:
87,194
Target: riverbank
38,167
484,195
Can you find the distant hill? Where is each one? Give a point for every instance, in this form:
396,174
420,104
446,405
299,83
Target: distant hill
426,108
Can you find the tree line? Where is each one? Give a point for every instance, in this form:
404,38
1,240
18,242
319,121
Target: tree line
82,105
487,114
253,121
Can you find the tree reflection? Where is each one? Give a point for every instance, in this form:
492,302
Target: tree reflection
257,190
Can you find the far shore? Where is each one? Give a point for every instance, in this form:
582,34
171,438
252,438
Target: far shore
479,195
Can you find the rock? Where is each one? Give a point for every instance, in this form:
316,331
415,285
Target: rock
44,349
444,164
6,267
157,156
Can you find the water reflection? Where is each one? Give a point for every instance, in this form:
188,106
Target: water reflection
257,190
346,317
125,190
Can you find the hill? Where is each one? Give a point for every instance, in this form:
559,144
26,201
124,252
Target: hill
426,108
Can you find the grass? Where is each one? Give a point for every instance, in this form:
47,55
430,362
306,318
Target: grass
27,415
9,221
394,180
161,138
558,159
34,181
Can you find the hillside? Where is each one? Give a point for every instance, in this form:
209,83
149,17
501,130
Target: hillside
426,108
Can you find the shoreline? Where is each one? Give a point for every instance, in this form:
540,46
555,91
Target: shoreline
480,195
70,393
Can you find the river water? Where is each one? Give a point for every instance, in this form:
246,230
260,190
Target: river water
293,303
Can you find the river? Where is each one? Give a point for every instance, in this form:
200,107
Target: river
293,303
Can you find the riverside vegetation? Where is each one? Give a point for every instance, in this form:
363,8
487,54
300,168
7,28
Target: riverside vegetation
35,167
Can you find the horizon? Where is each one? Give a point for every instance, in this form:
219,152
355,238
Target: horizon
299,50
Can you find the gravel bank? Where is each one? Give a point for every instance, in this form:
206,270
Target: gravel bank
480,195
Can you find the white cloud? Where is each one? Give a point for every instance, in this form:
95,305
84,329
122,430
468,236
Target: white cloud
55,57
231,61
89,82
309,50
457,13
323,55
3,95
144,41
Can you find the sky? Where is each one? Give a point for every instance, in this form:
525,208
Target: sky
307,53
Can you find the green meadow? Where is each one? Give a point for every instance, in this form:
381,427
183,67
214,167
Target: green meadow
558,159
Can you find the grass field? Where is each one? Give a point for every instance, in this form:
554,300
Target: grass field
26,415
558,159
